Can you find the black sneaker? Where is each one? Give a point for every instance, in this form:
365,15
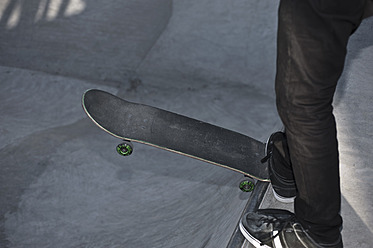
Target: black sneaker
275,228
280,169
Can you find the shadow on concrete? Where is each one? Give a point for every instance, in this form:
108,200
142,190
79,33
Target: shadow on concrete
84,39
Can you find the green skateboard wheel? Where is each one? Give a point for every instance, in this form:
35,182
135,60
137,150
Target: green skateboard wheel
125,148
247,185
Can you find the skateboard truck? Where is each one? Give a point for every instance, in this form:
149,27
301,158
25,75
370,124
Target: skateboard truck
125,148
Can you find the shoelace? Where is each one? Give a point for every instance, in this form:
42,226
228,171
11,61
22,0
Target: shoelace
268,221
265,159
268,153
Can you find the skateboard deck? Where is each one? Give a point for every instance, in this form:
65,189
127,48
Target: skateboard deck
176,133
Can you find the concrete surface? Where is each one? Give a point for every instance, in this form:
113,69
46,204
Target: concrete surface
61,182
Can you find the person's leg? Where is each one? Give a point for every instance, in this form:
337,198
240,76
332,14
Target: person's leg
312,41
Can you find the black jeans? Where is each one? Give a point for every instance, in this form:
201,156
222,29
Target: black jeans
312,41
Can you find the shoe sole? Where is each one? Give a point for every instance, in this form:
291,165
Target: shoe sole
283,199
251,239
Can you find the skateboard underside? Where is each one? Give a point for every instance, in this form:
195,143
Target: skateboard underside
176,133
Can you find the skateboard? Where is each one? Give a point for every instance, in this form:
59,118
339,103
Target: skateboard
134,122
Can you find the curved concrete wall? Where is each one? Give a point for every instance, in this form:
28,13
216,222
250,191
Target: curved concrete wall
208,40
218,41
98,40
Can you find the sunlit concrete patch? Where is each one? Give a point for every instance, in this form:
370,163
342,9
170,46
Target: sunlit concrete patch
75,7
354,116
41,10
49,10
356,190
3,6
53,9
15,15
357,232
